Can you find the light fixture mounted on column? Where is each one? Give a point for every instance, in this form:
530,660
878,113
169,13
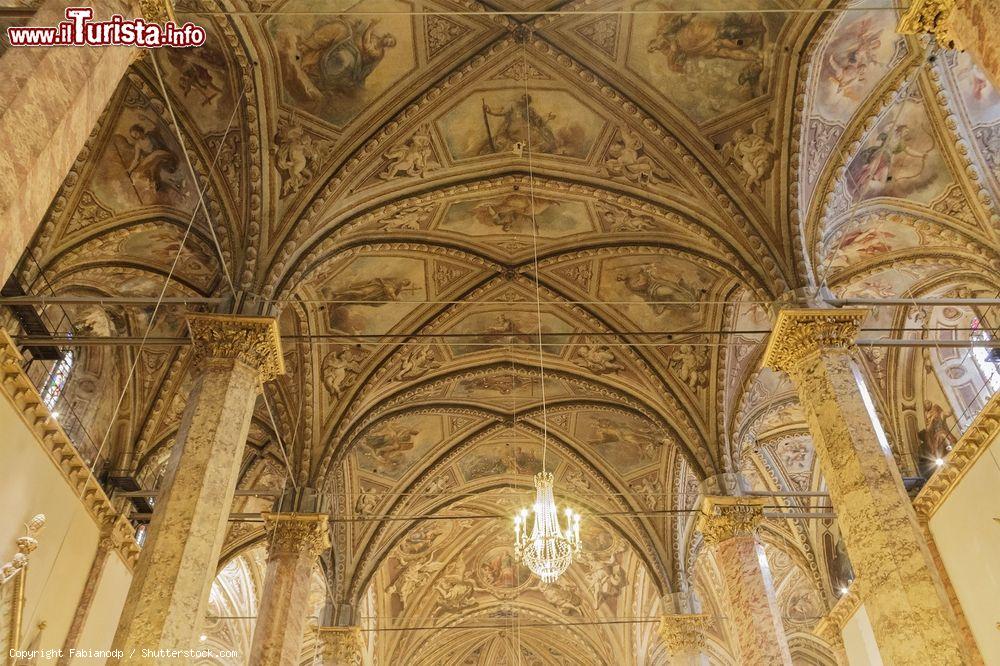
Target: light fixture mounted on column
549,549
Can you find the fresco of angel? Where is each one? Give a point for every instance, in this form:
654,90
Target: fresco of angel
646,282
151,164
856,53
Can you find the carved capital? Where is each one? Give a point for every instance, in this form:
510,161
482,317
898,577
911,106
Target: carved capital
684,635
800,333
297,532
725,518
155,11
253,341
932,17
342,646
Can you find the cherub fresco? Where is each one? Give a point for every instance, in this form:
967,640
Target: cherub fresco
151,164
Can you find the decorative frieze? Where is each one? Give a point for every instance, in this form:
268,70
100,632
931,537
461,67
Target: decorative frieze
20,391
974,442
254,341
799,333
724,518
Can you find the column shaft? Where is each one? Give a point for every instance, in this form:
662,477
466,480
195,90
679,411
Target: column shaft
910,613
729,526
296,540
168,598
50,100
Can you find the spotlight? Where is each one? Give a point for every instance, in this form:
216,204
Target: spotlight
844,591
939,462
55,415
203,638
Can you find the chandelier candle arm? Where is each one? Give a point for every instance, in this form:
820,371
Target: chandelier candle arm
550,548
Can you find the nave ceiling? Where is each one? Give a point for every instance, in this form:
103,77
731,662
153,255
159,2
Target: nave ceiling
419,190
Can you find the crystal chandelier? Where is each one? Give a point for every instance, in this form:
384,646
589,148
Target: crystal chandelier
549,550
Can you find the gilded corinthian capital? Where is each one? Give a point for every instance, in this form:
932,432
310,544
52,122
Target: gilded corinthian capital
725,518
253,341
798,333
342,646
297,532
684,635
932,17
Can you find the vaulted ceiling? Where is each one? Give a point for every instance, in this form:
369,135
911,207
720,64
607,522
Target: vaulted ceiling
422,187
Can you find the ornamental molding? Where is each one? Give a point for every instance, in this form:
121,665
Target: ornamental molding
254,341
831,625
341,645
684,635
297,532
799,333
977,438
724,518
19,390
931,17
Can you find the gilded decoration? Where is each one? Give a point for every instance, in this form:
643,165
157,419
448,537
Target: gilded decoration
932,17
685,634
297,532
724,518
800,333
254,341
342,646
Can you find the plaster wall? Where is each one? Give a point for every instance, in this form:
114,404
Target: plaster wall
58,568
859,640
967,535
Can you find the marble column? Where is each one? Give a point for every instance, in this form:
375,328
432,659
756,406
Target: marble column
967,25
50,100
341,646
166,603
295,541
902,591
729,528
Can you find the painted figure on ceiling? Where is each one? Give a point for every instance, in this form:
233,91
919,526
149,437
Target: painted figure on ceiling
337,57
516,120
936,439
659,292
856,53
150,163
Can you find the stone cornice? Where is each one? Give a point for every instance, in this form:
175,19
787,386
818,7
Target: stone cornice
21,393
974,442
725,518
801,332
829,628
254,341
297,532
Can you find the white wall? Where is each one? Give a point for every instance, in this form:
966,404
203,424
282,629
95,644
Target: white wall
859,640
58,568
967,536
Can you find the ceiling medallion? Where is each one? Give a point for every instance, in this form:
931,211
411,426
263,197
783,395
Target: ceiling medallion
549,550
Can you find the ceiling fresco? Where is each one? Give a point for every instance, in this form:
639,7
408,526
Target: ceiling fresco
495,237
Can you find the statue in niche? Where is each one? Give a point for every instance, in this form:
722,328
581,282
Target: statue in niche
936,439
